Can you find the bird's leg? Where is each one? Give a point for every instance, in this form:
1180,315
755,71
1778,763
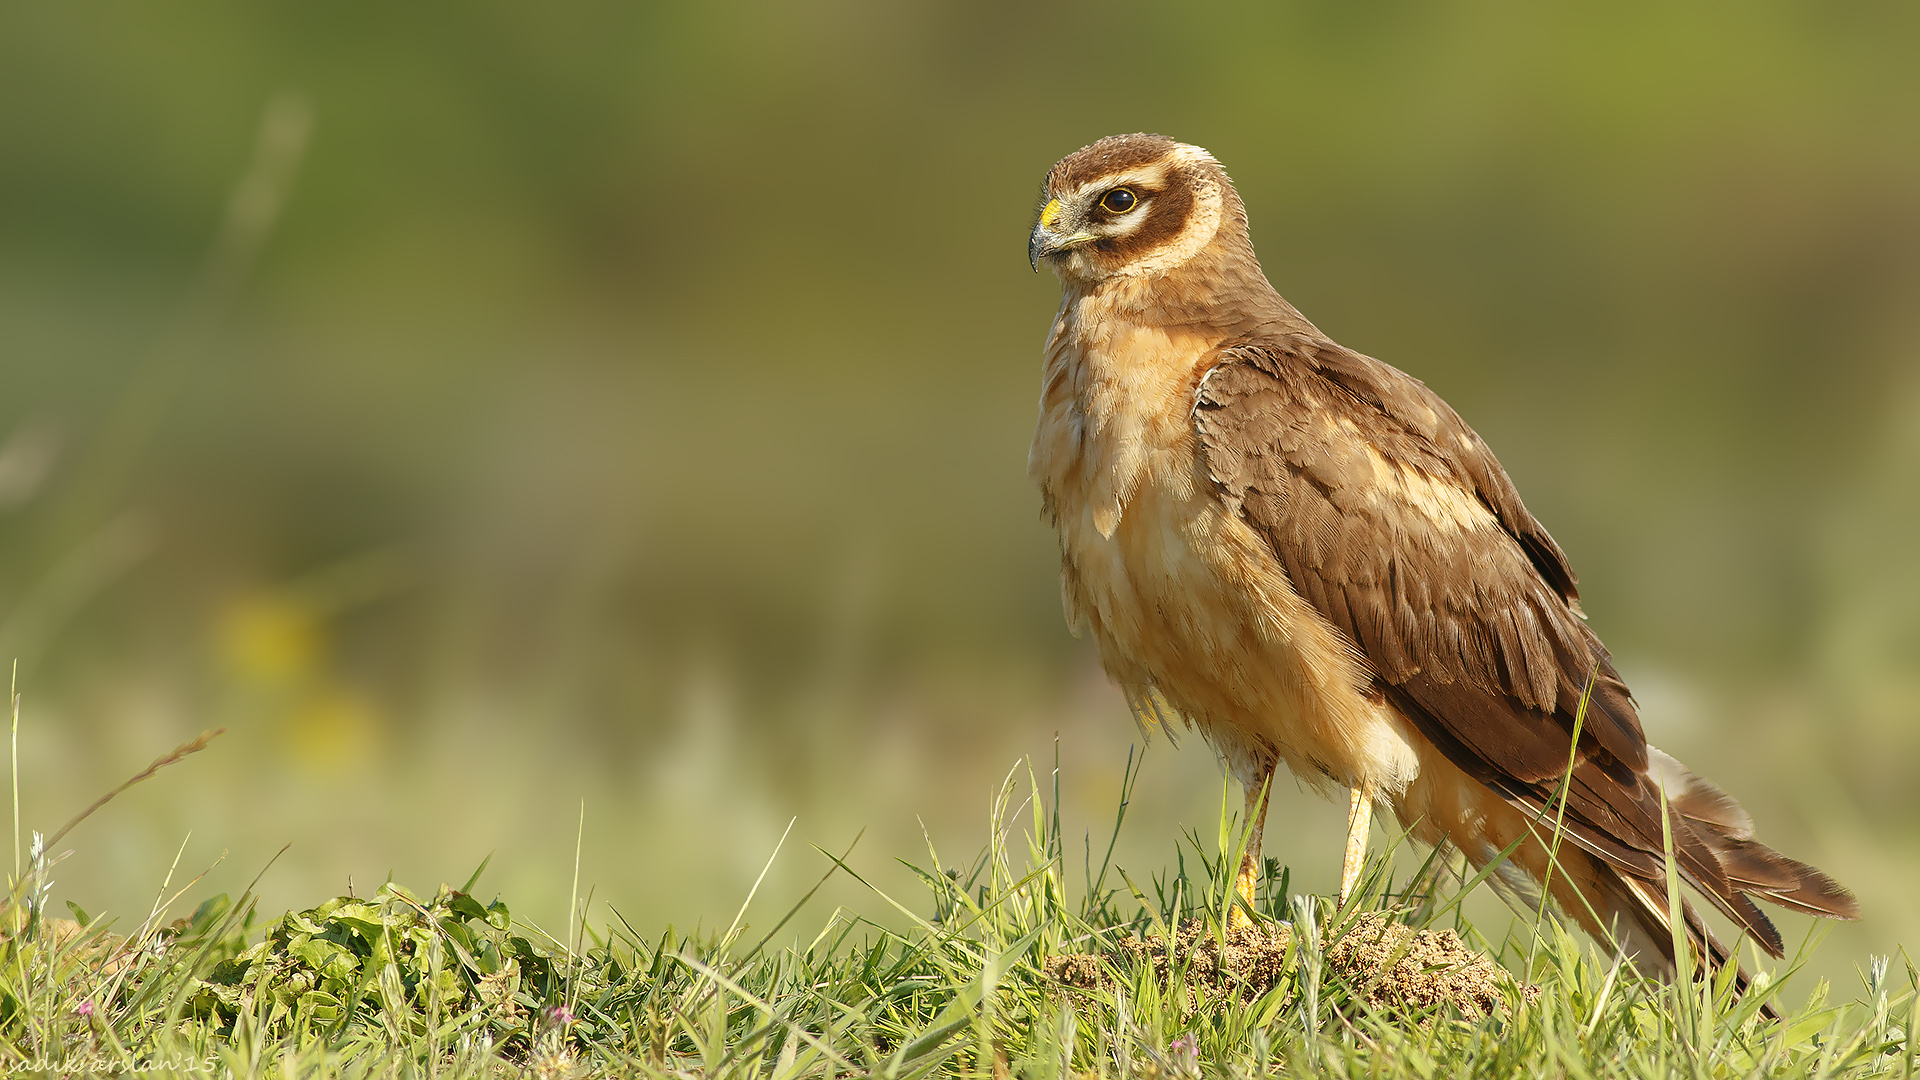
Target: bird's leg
1359,820
1258,789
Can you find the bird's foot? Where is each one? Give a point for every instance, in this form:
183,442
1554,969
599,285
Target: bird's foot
1249,877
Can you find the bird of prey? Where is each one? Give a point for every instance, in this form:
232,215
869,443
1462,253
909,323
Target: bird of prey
1308,556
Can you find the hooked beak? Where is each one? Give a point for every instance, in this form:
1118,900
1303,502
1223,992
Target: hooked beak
1047,241
1039,244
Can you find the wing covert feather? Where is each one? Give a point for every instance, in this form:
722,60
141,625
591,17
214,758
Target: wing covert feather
1395,521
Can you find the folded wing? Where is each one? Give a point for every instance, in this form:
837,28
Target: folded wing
1394,520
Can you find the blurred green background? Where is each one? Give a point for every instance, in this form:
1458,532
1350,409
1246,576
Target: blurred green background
481,409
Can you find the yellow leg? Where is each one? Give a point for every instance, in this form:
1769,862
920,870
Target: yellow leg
1359,820
1257,793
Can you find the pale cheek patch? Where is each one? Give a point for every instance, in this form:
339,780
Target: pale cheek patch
1202,224
1128,224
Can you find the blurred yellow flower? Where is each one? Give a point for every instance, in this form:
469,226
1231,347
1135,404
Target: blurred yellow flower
268,637
332,729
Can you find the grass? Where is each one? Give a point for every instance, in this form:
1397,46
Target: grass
957,980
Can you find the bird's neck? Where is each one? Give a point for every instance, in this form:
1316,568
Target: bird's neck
1220,294
1122,364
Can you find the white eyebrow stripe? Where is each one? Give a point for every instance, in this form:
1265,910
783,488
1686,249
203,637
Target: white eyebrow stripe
1150,175
1192,155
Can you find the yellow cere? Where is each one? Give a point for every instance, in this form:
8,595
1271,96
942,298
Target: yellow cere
1051,212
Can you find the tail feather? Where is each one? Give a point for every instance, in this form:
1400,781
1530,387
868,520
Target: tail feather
1639,922
1697,800
1623,822
1748,866
1753,867
1624,900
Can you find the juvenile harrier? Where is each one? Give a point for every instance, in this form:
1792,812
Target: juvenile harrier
1313,560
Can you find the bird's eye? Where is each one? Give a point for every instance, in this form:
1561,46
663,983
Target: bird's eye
1118,201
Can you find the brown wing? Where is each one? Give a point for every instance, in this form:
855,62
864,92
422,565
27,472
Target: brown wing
1398,525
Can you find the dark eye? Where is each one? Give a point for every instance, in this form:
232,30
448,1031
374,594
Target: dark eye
1118,201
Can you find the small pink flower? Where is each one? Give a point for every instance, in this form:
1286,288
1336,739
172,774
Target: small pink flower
561,1015
1187,1046
84,1010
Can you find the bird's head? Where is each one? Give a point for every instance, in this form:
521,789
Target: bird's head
1129,206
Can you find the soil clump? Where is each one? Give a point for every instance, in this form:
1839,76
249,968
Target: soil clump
1383,964
1394,968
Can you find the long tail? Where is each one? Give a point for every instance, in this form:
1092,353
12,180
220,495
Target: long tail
1626,902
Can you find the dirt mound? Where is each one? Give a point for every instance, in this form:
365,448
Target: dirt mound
1394,968
1384,964
1253,960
